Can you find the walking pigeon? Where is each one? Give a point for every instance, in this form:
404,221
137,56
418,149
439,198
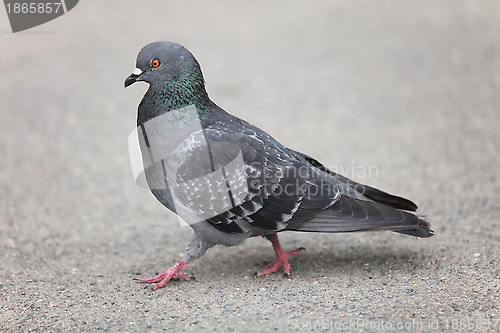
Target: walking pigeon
229,180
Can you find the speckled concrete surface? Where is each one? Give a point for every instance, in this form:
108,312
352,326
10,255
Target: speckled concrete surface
410,91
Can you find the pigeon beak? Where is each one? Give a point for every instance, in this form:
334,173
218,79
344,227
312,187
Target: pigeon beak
133,77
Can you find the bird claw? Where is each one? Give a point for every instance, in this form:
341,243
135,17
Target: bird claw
171,273
281,261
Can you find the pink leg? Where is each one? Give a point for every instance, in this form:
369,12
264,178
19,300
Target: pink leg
164,277
281,258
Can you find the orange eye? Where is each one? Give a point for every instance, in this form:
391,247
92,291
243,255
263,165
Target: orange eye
155,63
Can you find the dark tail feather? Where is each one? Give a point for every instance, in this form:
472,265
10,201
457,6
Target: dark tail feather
424,230
350,215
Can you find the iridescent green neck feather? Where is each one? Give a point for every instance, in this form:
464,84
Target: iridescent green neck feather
172,93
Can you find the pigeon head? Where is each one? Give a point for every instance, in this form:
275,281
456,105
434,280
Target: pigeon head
164,63
174,76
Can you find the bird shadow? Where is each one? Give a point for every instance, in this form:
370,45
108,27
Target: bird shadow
353,258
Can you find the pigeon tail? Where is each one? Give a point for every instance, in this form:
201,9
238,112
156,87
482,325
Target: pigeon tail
424,230
350,215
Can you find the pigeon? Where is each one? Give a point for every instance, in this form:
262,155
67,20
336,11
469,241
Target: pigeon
230,180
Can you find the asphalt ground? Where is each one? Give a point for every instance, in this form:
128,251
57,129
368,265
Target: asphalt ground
403,96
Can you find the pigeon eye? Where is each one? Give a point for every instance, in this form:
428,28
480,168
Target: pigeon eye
155,63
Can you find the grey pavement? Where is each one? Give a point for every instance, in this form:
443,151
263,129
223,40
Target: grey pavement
401,95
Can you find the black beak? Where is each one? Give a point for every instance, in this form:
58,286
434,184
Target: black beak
131,79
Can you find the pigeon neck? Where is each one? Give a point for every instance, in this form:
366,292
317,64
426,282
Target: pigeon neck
171,95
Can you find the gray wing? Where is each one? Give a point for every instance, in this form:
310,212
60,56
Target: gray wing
280,186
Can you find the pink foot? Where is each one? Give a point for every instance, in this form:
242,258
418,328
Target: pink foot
170,273
281,259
